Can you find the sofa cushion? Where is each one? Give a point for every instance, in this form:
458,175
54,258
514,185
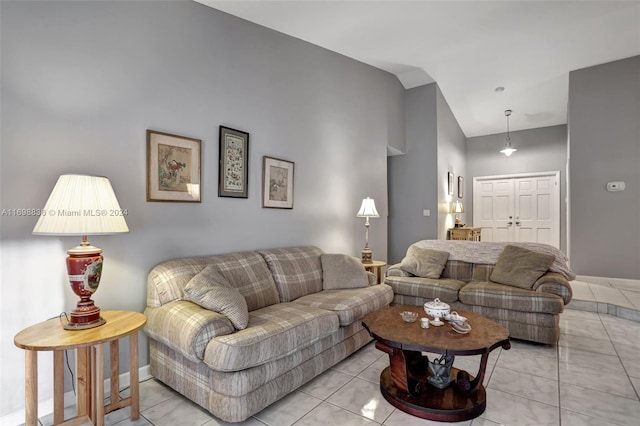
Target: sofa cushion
481,272
297,271
428,288
211,290
520,267
495,295
350,304
424,263
273,332
249,274
457,270
342,271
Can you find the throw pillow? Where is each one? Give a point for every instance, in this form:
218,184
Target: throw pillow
211,290
520,267
342,271
424,263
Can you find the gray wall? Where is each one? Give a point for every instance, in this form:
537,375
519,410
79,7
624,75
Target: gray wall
539,150
83,81
435,144
451,158
604,117
412,175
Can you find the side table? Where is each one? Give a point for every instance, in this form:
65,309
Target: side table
377,265
89,345
465,233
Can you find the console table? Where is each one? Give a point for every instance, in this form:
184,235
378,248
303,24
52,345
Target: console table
468,234
89,345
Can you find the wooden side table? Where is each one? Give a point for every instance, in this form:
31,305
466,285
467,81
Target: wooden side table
377,265
468,234
89,345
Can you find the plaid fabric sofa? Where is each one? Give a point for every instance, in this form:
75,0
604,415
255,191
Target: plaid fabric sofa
465,285
296,330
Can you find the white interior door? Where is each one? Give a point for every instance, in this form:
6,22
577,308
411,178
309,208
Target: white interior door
537,210
493,209
518,208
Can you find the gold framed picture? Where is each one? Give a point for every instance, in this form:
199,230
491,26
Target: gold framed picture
173,168
277,183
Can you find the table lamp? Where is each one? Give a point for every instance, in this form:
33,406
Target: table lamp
457,208
367,210
82,205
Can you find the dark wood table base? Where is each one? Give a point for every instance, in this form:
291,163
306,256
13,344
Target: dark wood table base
443,405
432,388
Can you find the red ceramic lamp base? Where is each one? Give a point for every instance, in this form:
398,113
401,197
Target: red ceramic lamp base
79,322
85,315
84,266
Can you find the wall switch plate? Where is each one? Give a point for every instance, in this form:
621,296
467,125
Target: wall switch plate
615,186
426,212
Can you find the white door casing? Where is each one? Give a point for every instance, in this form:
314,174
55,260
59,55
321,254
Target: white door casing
523,207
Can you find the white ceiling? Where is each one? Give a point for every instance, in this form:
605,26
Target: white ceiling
468,47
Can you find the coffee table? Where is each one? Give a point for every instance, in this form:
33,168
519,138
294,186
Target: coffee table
411,382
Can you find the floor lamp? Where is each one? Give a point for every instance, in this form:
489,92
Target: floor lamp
367,210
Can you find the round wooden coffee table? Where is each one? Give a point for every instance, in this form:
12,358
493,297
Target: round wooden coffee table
409,383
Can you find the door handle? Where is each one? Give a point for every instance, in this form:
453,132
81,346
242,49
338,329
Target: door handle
518,223
509,223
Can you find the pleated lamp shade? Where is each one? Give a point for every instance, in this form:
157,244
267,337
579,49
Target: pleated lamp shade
81,205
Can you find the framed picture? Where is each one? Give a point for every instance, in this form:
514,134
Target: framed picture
233,177
173,167
277,183
450,183
460,187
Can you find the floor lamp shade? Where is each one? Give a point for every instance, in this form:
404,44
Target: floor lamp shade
82,205
367,210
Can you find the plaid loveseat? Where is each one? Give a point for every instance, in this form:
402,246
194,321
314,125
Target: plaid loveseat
465,284
296,328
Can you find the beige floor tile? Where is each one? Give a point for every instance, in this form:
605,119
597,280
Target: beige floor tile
604,406
288,410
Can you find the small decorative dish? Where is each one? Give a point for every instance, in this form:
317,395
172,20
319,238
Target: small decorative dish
463,328
409,316
455,317
436,323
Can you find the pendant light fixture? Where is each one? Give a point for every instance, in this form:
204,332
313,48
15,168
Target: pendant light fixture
508,149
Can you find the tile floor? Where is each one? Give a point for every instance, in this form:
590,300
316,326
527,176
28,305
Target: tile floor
592,377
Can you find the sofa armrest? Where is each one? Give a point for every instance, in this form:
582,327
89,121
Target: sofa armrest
395,271
555,283
185,327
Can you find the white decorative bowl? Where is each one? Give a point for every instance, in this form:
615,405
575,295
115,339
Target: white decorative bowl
437,309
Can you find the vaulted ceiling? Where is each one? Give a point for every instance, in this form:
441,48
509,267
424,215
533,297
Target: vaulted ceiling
469,48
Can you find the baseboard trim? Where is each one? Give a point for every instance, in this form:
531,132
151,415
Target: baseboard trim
45,406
